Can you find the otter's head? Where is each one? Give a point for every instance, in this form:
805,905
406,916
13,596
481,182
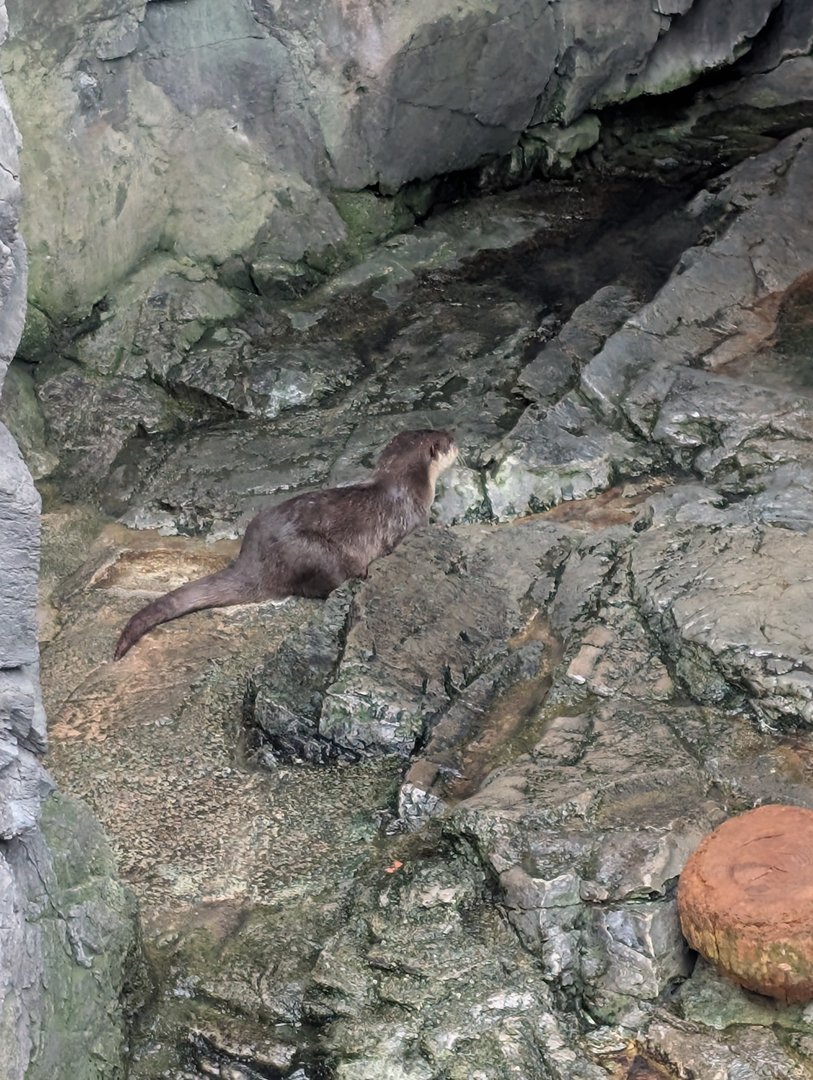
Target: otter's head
434,449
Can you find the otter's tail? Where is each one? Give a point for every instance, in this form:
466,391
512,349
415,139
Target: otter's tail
216,590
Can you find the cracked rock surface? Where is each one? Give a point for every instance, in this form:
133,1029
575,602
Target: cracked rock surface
433,827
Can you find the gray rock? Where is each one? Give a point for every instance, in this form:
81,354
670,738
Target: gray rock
150,322
285,699
68,926
704,37
379,683
719,125
709,311
574,694
714,1001
557,455
265,384
93,418
13,263
301,102
22,414
469,347
754,640
791,35
558,362
85,930
217,479
558,450
751,1053
586,883
19,527
392,990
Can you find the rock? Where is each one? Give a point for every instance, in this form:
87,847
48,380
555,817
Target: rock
68,926
232,966
384,664
790,35
756,639
217,479
335,375
741,901
494,711
129,103
19,507
78,935
285,699
149,322
719,125
794,319
93,418
558,362
558,455
399,1004
90,949
126,212
746,1053
339,352
762,197
563,705
691,48
36,340
13,262
22,414
558,845
712,999
264,384
560,145
637,365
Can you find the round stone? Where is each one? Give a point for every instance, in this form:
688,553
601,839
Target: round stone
745,900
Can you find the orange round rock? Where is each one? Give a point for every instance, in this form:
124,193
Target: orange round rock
745,900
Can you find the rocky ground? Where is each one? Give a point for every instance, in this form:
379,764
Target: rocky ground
432,828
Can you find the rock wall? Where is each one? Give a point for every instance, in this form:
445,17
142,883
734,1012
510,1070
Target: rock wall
217,131
67,926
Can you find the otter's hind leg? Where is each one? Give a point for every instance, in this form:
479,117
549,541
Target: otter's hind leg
319,570
318,582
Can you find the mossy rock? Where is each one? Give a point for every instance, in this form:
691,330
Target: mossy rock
36,341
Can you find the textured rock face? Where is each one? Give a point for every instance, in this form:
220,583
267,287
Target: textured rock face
23,782
67,925
578,689
217,130
579,696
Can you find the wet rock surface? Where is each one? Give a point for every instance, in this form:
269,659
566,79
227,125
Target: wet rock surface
441,833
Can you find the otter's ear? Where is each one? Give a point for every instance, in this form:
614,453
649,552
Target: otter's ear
434,448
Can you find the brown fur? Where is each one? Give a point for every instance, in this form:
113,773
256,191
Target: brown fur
310,544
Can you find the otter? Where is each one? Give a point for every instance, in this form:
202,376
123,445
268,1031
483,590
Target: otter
311,543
